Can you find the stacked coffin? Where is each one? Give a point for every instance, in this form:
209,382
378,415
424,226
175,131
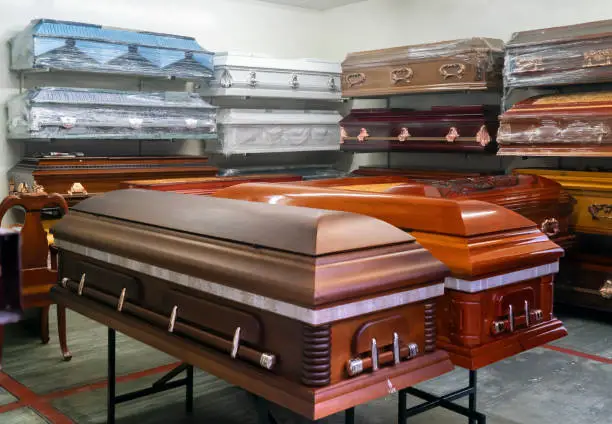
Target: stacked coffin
244,83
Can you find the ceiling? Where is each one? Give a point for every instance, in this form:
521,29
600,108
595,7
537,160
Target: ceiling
314,4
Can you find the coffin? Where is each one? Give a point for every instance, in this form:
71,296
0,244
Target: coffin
75,46
249,75
307,172
443,129
244,131
467,64
205,185
498,301
592,213
48,113
575,54
578,124
339,311
418,173
11,306
541,200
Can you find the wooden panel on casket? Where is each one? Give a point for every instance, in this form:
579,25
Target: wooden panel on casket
301,306
498,301
577,124
457,65
441,129
575,54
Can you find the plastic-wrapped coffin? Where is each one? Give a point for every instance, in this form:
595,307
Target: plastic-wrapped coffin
240,75
50,113
270,131
74,46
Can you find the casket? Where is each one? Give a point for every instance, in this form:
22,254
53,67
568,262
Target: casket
578,124
575,54
444,174
273,130
498,301
316,311
205,185
541,200
11,306
249,75
82,47
443,129
457,65
48,113
307,172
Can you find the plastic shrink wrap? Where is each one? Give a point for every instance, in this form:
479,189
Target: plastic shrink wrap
55,113
82,47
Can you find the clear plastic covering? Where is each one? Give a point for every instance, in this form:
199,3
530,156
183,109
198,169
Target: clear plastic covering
575,54
75,46
50,113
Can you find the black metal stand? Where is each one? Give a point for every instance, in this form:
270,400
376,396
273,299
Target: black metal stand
446,401
161,385
264,416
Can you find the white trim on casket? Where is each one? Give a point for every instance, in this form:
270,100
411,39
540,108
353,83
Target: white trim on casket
309,316
474,286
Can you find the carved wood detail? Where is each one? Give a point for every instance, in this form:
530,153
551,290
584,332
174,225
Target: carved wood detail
316,356
430,327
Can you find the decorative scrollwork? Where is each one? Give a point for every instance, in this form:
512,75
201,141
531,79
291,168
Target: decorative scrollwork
363,135
331,84
293,81
252,80
452,135
550,227
77,188
355,79
596,58
525,64
401,75
404,135
483,137
600,211
226,79
343,135
451,70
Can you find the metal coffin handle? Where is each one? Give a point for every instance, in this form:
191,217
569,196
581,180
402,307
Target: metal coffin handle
395,355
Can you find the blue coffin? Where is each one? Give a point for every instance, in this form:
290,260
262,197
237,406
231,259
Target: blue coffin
74,46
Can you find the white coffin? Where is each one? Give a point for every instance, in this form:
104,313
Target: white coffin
271,131
244,75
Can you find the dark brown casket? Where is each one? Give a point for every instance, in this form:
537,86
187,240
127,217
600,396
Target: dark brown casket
466,64
539,199
499,299
444,129
316,311
205,185
575,54
578,124
440,174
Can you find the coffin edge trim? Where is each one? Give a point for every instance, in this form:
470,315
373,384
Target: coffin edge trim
299,313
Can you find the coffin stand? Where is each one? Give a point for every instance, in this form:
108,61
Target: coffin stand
309,330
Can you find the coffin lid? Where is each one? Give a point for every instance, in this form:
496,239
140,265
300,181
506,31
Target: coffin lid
585,31
574,180
89,97
305,231
85,31
277,117
260,62
588,103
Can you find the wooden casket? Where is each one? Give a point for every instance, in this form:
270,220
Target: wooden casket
575,54
499,299
75,46
457,65
578,124
434,174
250,75
244,131
316,311
44,114
205,185
541,200
443,129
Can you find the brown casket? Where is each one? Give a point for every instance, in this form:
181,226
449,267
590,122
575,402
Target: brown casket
578,124
466,64
539,199
316,311
443,129
499,299
575,54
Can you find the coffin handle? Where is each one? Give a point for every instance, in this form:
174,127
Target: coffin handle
606,290
452,70
550,227
600,211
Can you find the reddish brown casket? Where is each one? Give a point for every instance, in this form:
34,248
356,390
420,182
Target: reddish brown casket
466,64
443,129
578,124
316,311
575,54
539,199
499,299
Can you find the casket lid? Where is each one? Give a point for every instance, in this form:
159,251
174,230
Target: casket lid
92,97
589,103
262,62
295,118
574,33
305,231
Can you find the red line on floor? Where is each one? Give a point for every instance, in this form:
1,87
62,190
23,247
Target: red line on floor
573,352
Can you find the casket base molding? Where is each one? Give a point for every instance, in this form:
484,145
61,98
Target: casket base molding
481,356
312,403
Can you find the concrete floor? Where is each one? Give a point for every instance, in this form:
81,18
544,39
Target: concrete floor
567,382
